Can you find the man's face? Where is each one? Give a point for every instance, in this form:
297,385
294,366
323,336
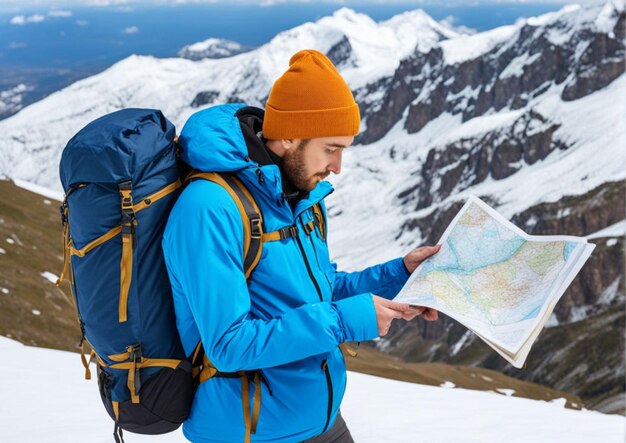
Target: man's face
310,161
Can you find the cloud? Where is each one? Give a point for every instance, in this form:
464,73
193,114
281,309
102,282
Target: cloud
82,22
60,13
21,20
449,22
17,45
131,30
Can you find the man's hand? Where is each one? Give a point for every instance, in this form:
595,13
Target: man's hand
428,314
413,259
386,312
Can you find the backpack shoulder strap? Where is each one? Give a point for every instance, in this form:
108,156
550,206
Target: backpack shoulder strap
320,221
249,211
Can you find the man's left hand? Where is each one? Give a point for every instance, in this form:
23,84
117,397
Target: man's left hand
428,314
413,259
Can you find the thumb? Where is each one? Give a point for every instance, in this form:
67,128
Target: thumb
427,251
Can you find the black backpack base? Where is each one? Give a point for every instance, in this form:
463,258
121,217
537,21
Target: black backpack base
166,399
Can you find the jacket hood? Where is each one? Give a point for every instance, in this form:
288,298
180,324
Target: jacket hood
212,140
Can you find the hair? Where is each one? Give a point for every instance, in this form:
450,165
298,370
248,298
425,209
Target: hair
303,143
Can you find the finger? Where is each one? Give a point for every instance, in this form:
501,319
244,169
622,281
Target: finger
392,314
419,309
396,306
430,315
409,317
416,311
424,252
431,250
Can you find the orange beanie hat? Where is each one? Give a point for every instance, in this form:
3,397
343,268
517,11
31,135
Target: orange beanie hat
310,100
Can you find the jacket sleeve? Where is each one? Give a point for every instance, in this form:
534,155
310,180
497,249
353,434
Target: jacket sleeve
385,280
203,248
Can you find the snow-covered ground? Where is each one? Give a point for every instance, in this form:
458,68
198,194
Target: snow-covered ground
45,399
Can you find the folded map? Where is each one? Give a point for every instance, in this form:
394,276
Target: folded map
495,279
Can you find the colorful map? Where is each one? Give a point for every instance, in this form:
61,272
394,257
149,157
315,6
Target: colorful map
494,278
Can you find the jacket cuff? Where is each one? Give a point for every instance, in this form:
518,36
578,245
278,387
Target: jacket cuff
358,318
401,271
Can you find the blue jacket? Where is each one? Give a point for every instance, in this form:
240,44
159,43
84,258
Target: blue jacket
285,321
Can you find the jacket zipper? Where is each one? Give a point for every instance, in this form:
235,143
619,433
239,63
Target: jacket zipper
317,258
308,268
329,383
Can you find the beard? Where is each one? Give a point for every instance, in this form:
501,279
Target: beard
294,166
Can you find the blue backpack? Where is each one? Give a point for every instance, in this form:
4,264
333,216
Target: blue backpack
121,177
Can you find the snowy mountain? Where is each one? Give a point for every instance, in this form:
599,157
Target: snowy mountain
525,116
212,48
376,409
11,99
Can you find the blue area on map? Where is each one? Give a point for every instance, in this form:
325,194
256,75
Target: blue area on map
533,313
569,247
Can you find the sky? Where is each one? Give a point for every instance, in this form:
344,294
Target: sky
19,5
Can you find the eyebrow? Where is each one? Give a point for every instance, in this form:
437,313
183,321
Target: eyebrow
336,145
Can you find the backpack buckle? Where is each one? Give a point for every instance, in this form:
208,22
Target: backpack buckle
293,231
255,228
135,358
125,188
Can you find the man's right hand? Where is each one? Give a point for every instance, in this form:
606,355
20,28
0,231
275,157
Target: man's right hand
386,312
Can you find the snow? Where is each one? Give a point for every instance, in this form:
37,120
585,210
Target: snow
605,22
206,44
211,48
36,312
447,385
67,408
4,290
41,190
551,17
464,48
609,294
516,67
459,344
616,230
10,241
11,99
2,251
49,276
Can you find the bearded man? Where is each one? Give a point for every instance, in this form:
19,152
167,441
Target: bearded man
276,333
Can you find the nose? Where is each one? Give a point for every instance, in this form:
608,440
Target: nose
335,164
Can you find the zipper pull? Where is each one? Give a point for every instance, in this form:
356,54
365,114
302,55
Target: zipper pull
260,175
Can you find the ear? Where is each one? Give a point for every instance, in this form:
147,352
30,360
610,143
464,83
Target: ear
288,143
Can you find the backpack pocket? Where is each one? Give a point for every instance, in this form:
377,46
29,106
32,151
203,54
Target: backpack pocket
165,400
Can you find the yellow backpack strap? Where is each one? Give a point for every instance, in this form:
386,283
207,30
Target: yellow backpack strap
319,220
129,221
249,211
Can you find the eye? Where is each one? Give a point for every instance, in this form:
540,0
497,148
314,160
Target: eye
331,150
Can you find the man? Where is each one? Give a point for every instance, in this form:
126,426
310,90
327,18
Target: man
284,325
